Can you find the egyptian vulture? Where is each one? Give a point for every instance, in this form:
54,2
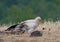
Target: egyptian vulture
28,25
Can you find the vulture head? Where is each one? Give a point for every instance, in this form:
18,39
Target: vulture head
38,20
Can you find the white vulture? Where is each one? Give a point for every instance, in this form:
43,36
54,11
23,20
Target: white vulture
30,25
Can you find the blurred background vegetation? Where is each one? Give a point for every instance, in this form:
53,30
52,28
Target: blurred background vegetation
14,11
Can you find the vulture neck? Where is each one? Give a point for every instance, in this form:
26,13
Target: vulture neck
37,21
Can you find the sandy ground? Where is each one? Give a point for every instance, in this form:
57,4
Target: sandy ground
51,33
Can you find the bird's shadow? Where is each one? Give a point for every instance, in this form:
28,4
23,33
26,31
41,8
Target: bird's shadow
36,34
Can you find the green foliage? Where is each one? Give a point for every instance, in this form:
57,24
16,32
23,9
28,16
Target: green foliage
14,11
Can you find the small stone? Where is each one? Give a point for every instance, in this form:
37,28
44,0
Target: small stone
36,34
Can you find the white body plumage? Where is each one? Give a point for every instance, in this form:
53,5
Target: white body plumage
32,24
